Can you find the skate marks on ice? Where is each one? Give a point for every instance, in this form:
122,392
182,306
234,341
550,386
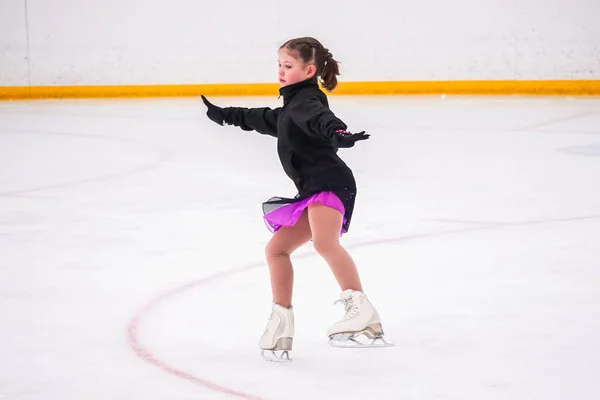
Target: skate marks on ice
157,156
133,327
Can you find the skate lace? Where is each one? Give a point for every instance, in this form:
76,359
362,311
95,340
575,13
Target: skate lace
269,319
349,305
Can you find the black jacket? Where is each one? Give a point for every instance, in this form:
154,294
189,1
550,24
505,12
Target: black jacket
304,127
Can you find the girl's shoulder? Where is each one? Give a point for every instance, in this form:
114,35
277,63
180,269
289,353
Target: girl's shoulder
312,98
309,105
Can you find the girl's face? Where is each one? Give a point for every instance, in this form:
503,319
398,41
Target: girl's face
292,69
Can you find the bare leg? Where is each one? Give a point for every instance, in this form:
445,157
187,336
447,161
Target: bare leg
326,224
278,251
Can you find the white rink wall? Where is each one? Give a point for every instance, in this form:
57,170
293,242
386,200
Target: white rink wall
128,42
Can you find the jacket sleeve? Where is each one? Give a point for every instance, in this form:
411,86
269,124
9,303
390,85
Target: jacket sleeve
316,119
263,120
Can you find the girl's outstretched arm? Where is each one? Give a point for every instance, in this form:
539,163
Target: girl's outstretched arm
263,120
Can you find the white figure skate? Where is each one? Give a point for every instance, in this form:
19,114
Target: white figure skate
361,319
276,341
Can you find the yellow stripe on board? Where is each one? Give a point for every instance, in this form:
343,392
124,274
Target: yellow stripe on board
504,87
564,87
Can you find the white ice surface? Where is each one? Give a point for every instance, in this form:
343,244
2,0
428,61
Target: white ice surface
476,232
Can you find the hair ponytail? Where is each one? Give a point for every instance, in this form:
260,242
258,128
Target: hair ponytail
329,71
310,50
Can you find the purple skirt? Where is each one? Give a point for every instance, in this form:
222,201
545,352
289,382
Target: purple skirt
289,214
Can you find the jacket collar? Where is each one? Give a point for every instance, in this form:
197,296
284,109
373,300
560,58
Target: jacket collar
290,91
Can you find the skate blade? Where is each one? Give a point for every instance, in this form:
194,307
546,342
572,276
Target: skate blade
358,341
273,356
281,351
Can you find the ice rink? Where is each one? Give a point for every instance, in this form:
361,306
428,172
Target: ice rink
132,252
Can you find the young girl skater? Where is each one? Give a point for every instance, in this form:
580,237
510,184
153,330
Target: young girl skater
308,137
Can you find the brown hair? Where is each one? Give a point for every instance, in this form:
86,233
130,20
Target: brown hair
311,50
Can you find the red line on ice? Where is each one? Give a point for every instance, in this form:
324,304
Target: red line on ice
146,355
133,326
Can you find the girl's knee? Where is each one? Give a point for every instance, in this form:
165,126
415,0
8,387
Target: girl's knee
326,247
272,250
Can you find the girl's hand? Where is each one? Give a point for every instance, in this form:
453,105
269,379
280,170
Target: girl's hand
214,113
347,139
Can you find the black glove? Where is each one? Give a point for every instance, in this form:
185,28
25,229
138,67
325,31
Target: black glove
343,138
215,113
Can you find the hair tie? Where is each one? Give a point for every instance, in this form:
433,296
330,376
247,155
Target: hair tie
328,56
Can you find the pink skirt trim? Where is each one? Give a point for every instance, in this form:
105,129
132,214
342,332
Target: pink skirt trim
289,214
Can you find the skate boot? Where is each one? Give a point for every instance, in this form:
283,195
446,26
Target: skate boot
361,319
276,341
